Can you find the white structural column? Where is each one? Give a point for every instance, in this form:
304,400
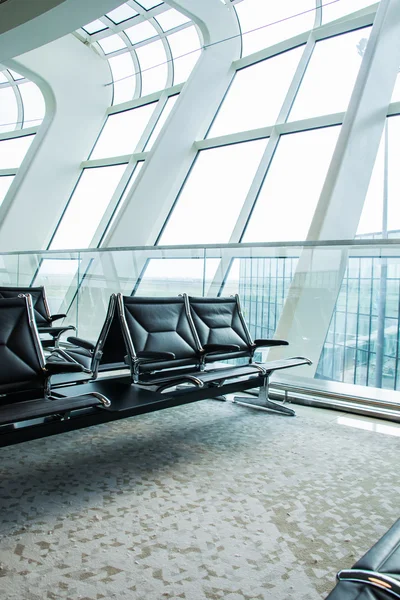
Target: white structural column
310,304
72,78
166,168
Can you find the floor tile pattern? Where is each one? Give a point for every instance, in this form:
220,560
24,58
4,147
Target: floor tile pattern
205,501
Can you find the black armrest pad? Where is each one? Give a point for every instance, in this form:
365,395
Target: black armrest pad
81,343
220,348
148,355
54,331
54,368
57,316
270,343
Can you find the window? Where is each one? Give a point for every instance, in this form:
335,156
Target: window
13,150
291,190
266,23
210,202
152,59
86,207
122,132
5,182
256,94
330,76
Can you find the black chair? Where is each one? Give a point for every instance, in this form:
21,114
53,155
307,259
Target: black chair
164,350
107,354
376,576
44,318
25,391
220,321
158,335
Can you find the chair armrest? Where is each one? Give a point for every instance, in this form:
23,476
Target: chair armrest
57,316
55,331
212,348
270,343
53,368
81,343
148,355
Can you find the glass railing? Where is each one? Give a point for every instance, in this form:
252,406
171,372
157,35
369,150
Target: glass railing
337,303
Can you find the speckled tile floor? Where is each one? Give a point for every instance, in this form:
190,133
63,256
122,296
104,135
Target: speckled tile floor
205,501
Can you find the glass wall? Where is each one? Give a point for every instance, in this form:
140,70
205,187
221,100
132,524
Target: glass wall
21,112
151,49
256,177
294,95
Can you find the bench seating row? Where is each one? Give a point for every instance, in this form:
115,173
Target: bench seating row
176,350
180,340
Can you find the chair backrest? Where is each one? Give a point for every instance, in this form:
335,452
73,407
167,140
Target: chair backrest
158,325
39,301
21,356
110,345
220,321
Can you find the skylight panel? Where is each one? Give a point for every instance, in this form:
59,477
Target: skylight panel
153,65
149,4
140,32
94,27
122,13
9,110
111,44
171,18
34,107
122,71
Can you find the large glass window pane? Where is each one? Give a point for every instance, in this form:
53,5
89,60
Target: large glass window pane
111,44
371,217
185,48
140,32
172,276
210,202
256,94
12,151
33,101
124,196
330,76
171,18
94,27
160,123
148,4
122,132
5,183
291,190
336,10
86,207
272,22
122,69
393,173
152,59
122,13
59,275
8,109
372,223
